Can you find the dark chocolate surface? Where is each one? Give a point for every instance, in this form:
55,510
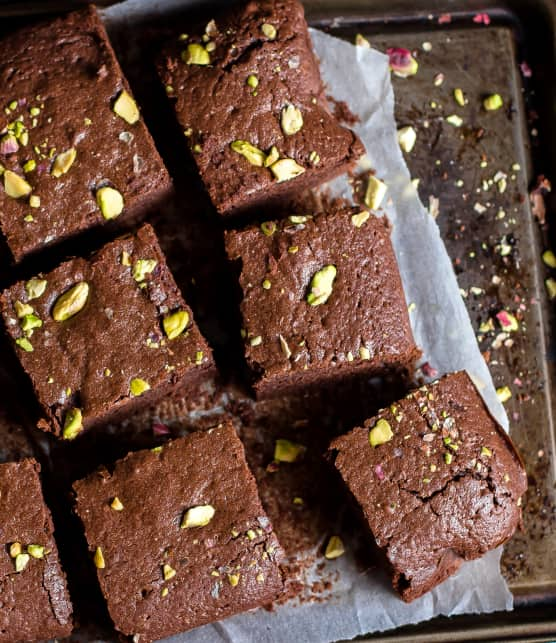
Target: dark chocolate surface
89,361
35,602
227,566
62,79
362,327
445,488
216,105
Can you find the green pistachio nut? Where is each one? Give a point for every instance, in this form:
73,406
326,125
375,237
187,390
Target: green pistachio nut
15,186
253,154
35,288
137,386
24,344
321,285
110,202
493,102
291,120
63,162
199,516
286,170
375,192
73,424
126,107
195,54
380,433
30,322
71,302
269,30
36,551
98,559
21,310
175,324
286,451
360,218
142,268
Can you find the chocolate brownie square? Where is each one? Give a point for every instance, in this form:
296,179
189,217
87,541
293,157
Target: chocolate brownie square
74,151
34,597
322,298
179,536
437,480
249,97
104,336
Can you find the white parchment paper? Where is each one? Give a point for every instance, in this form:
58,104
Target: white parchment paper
361,603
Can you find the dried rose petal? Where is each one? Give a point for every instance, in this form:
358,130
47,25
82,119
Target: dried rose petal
444,18
507,321
160,429
428,370
402,62
8,144
525,70
481,19
538,207
379,472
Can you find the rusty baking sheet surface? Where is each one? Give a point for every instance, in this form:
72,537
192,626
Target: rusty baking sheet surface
480,173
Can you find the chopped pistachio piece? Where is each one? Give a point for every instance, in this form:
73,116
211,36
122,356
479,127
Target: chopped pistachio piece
253,154
138,386
286,451
266,284
98,559
361,41
321,285
175,324
233,579
291,120
407,136
73,424
22,310
252,81
116,504
360,218
110,202
272,156
269,30
268,228
71,302
199,516
376,190
36,551
493,102
24,344
550,285
486,452
459,97
21,562
256,341
195,54
286,169
35,288
364,352
15,549
335,548
30,166
142,268
549,258
454,120
503,393
380,433
448,457
299,218
164,592
126,107
168,572
15,186
30,322
34,201
63,162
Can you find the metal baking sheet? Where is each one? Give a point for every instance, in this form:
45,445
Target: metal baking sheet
458,167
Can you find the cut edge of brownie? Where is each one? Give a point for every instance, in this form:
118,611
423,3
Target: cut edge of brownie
450,560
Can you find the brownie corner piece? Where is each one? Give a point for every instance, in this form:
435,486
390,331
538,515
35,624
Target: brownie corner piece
247,93
35,600
75,153
115,328
179,536
322,299
436,480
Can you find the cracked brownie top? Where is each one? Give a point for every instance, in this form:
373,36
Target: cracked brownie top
436,479
249,97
